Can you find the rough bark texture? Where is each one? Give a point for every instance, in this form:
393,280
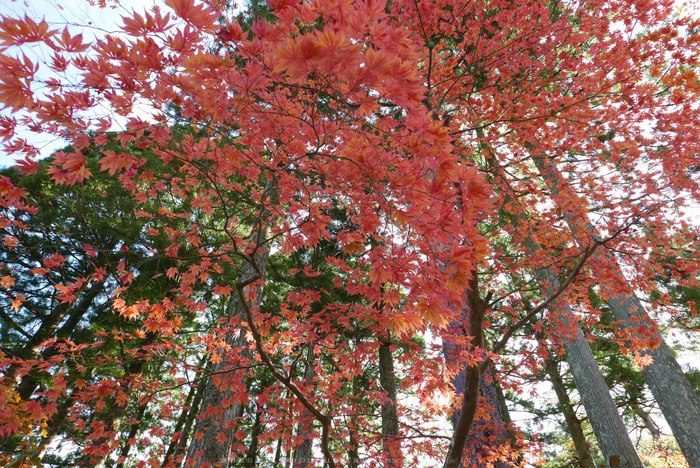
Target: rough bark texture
609,429
303,456
220,407
573,424
678,401
484,437
390,417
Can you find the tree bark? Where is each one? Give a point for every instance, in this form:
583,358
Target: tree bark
609,429
215,429
303,455
678,401
390,416
467,381
480,443
221,406
251,459
601,409
573,424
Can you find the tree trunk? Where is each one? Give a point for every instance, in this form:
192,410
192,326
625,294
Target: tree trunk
390,417
189,424
303,455
251,459
610,431
221,406
486,436
678,401
573,424
179,425
216,425
506,414
278,454
133,430
601,409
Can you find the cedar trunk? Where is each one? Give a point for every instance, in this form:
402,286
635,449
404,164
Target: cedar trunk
573,424
678,401
390,417
220,409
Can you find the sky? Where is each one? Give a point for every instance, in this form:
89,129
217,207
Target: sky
91,20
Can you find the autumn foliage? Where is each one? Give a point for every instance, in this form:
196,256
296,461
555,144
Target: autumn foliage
343,171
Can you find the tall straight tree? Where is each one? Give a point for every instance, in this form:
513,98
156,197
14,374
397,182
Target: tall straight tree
677,399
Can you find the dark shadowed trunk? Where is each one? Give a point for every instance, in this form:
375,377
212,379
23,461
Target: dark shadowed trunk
303,456
390,417
133,430
485,436
251,459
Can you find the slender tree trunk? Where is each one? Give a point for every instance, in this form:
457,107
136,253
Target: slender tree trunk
678,401
573,424
177,431
303,455
179,450
133,430
485,436
390,416
251,459
354,446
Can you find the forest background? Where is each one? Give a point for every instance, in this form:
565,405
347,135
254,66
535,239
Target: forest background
350,233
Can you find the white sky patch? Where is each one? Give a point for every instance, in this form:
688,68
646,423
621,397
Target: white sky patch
93,23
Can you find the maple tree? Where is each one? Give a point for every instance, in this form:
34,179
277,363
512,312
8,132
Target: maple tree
409,138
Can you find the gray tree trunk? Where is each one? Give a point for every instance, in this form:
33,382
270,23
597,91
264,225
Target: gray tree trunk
610,431
678,401
214,433
390,417
303,455
573,424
